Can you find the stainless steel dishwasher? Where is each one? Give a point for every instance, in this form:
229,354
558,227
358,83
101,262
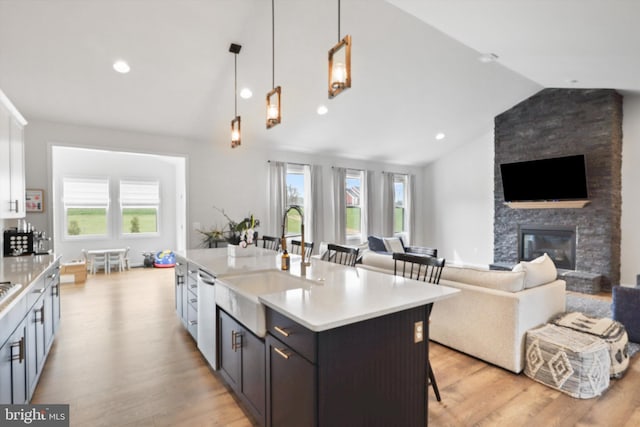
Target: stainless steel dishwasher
207,317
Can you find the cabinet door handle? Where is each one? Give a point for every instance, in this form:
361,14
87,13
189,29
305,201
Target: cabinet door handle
193,322
56,290
194,300
38,291
282,331
20,345
236,340
42,314
281,352
193,286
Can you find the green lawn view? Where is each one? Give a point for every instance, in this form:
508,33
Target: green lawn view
398,220
93,221
147,220
353,220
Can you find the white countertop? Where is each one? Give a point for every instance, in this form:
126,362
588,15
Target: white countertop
24,270
332,295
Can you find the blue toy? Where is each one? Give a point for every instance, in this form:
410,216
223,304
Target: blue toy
165,259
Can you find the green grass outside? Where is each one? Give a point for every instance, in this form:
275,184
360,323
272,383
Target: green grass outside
293,223
147,220
398,220
94,221
353,220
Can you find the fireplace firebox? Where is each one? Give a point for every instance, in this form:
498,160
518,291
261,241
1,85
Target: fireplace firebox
557,242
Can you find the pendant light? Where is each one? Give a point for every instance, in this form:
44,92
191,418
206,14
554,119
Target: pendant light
340,63
236,133
274,112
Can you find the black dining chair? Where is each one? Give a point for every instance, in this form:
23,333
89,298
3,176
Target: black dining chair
270,242
339,254
296,248
427,269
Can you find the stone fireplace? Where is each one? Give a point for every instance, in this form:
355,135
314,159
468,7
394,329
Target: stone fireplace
556,123
557,242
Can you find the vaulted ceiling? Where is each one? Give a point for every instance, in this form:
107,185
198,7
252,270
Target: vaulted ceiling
416,67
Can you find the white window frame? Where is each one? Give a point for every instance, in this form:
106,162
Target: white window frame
86,193
140,194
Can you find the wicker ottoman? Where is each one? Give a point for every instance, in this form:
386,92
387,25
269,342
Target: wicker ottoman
569,361
612,332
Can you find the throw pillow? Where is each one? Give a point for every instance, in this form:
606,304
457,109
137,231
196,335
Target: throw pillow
376,244
538,271
393,244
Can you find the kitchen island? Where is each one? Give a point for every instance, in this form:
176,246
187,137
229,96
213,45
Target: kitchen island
336,346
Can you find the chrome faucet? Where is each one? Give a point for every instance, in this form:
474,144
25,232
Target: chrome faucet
303,263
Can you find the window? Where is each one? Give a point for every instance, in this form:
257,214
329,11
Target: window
295,197
86,205
353,187
400,220
139,203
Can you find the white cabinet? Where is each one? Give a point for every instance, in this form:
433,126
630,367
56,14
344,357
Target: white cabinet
12,179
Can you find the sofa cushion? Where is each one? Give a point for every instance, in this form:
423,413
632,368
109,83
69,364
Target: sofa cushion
538,271
508,281
393,244
376,244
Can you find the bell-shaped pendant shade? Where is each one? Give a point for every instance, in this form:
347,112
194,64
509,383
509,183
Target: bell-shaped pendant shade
340,67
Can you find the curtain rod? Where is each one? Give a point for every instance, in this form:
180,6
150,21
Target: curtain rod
291,163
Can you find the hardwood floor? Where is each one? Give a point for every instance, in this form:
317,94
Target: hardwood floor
122,357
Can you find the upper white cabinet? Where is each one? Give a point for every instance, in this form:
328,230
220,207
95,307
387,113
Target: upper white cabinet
12,180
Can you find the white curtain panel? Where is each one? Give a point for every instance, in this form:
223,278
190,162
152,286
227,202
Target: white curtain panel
387,204
339,205
314,218
368,203
411,209
277,198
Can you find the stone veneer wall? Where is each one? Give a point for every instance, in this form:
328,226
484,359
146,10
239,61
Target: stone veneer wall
563,122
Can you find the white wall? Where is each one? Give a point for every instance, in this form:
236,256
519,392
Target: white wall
231,179
459,203
630,258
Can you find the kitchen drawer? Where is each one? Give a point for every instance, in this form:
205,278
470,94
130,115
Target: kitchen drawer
192,320
291,333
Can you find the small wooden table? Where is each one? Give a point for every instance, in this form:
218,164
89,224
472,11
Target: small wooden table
77,268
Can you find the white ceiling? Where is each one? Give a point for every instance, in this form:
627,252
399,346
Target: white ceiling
415,66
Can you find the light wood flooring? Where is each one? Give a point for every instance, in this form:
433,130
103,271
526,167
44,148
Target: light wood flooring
122,358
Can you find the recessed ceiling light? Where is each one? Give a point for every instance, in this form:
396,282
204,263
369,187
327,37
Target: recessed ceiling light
488,57
322,110
246,93
121,67
440,136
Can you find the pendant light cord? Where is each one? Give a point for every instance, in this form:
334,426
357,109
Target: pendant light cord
338,20
235,84
273,46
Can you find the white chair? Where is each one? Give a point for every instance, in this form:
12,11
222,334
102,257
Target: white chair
86,259
116,259
99,262
125,259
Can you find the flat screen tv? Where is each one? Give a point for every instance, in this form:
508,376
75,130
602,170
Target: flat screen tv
554,179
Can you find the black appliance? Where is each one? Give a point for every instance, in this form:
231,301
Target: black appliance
18,243
558,178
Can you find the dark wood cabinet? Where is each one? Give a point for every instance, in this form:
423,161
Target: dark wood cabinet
242,363
291,387
369,373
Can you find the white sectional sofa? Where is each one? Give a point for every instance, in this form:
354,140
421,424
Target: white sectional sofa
489,318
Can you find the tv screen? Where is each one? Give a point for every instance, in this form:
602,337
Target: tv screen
558,178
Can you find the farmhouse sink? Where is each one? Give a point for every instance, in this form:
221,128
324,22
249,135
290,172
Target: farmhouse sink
238,295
